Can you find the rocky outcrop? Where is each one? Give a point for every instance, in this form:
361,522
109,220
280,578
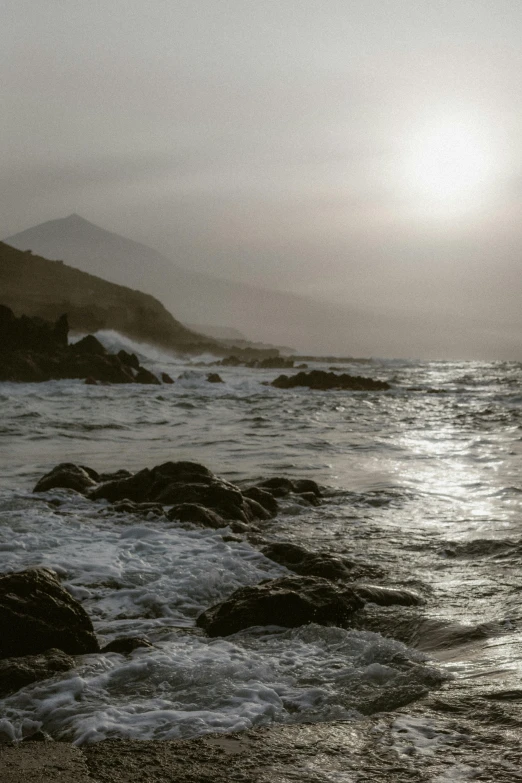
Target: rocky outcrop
322,380
289,602
194,492
37,613
334,567
34,350
16,673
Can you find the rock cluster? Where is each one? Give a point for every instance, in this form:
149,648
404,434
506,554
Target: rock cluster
35,350
322,380
42,625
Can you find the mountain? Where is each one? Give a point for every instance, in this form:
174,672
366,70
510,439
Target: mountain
32,285
273,317
266,316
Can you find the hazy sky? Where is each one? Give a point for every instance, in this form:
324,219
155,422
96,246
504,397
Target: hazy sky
366,151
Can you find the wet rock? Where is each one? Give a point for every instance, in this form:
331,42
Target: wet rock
115,475
165,377
89,345
289,602
136,487
389,596
90,381
213,377
37,613
257,510
278,486
264,499
130,507
126,645
307,486
322,380
221,497
145,376
129,359
181,472
197,515
300,560
68,476
16,673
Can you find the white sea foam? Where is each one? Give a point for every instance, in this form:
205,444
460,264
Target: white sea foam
191,685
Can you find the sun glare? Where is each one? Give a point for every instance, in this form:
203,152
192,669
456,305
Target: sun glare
449,166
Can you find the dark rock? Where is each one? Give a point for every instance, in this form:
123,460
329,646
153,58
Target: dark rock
101,367
165,377
15,673
306,563
257,510
136,487
90,381
129,359
310,498
130,507
115,475
302,486
126,645
37,613
213,377
197,515
322,380
278,486
66,475
289,602
145,376
388,596
219,496
89,345
264,499
231,361
31,334
182,471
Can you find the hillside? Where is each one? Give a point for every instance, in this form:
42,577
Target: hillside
32,285
265,316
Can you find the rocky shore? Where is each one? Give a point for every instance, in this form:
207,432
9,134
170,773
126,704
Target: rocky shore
35,350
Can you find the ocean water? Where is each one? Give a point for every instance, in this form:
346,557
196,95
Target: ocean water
422,481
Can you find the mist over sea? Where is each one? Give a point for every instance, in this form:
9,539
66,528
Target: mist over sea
422,481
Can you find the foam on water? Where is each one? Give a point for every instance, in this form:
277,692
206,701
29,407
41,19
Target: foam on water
191,685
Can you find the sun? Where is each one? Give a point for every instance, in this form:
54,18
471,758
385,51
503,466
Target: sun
448,165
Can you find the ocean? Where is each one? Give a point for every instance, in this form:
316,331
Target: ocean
423,482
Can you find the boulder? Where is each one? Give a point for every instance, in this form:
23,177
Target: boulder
389,596
129,359
126,645
89,345
136,488
16,673
68,476
289,602
197,515
322,380
300,560
165,377
264,499
146,376
219,496
37,613
213,377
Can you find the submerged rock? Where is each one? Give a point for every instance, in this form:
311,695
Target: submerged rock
67,475
126,645
322,380
197,515
300,560
37,613
16,673
289,602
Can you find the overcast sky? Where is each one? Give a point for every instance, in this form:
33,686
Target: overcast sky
367,151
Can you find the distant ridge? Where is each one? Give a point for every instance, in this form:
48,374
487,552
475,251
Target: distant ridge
266,316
